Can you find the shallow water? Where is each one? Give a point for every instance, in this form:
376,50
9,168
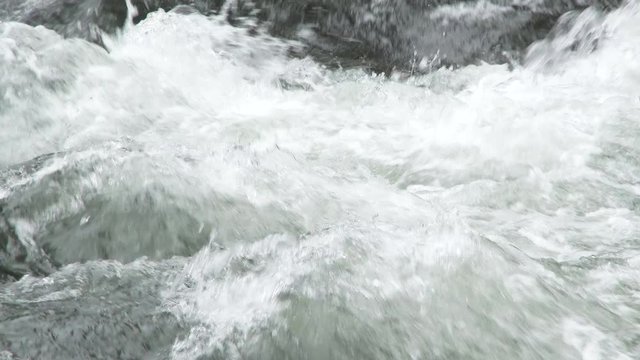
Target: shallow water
196,192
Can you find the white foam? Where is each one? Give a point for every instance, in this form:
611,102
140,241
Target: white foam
439,199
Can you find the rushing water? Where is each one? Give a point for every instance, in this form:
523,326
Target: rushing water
197,189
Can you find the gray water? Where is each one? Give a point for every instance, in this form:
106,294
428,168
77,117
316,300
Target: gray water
186,188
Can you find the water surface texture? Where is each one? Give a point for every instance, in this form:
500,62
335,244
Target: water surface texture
386,180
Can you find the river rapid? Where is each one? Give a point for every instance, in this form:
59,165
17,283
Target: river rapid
204,186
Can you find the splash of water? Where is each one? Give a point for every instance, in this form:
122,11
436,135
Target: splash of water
198,192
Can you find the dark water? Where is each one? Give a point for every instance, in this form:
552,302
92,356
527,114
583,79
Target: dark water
319,179
383,34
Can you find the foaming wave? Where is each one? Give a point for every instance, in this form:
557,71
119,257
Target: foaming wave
472,213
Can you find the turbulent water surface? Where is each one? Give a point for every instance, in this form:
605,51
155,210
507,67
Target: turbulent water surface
381,180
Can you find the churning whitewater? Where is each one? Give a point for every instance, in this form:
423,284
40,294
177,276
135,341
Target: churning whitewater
191,187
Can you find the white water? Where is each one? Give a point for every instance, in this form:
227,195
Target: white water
474,213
